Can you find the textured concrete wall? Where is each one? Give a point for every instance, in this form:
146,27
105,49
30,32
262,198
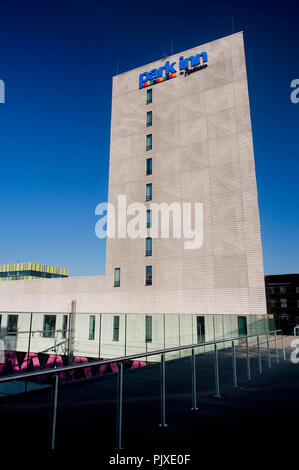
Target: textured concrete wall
202,152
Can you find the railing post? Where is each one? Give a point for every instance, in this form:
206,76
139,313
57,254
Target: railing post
53,411
235,382
162,391
269,352
248,361
276,349
119,406
283,347
259,358
193,374
216,366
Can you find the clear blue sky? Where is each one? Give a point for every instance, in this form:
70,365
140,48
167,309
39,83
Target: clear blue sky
57,59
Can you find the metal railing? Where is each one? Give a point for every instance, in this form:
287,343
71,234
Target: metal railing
120,360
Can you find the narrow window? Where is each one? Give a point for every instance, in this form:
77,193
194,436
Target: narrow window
149,142
116,277
242,326
283,303
283,290
12,323
297,290
272,290
116,328
148,329
148,275
92,324
201,333
149,166
149,118
148,218
0,321
148,246
49,326
64,325
149,96
272,303
149,192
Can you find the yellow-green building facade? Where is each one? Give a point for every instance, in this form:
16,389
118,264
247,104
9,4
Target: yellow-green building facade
14,272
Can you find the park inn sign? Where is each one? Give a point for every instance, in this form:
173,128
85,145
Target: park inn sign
168,71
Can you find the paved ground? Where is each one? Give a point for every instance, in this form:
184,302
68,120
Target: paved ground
257,420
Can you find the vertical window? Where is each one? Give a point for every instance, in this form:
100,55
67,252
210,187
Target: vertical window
283,303
148,329
297,290
116,277
148,275
116,328
242,326
200,326
272,303
148,246
283,290
149,166
148,218
92,325
12,323
149,118
149,142
272,290
149,96
149,192
64,325
297,303
0,321
49,326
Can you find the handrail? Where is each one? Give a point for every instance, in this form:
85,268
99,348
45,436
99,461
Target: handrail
27,375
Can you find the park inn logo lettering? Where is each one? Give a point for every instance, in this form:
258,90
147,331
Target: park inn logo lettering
168,71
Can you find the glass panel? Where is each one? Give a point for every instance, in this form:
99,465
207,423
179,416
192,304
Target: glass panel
116,328
149,168
117,277
148,275
148,329
149,191
149,142
148,249
149,118
148,218
49,326
149,96
92,324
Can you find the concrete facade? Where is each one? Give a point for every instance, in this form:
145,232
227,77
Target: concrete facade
202,152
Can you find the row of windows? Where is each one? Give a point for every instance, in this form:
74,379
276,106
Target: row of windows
281,290
49,327
148,269
283,303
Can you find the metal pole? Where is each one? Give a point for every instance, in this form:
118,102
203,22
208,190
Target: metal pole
162,391
248,360
235,382
259,355
216,366
276,349
193,373
119,405
282,347
29,346
269,352
53,411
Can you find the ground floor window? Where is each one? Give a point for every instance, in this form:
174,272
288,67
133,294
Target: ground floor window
49,326
92,324
148,329
242,326
201,333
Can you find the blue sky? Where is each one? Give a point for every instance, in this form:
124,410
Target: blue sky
57,59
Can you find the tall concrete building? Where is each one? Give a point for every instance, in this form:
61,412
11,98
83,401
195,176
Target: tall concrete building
180,133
